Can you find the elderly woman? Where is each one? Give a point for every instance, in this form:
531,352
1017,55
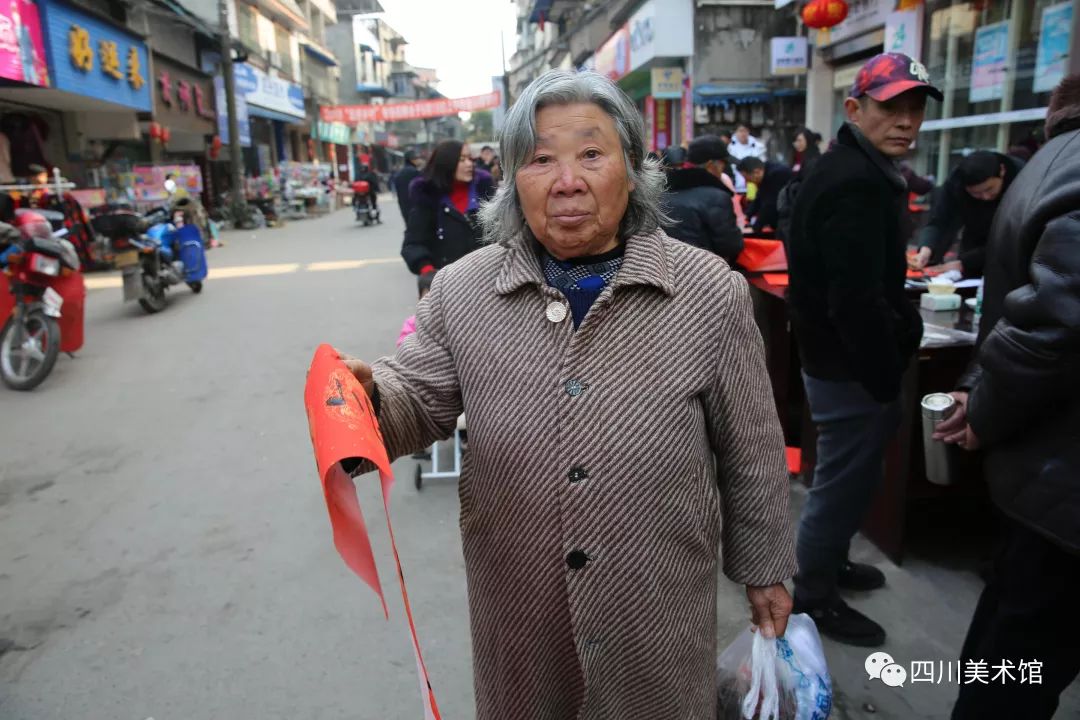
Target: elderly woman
619,409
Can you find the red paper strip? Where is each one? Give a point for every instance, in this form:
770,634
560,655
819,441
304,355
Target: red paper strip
343,426
418,110
777,279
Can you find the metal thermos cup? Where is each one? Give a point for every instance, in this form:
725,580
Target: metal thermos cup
935,408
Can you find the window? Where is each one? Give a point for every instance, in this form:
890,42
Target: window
284,49
245,21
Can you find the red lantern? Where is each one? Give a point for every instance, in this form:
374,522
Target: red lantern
155,131
215,147
165,135
820,14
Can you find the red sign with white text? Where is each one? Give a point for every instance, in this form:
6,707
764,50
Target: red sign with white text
352,114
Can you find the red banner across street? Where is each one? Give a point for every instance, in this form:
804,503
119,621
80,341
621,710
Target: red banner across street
352,114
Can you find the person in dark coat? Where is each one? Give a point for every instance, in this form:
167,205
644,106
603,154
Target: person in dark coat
409,172
855,327
806,149
1020,402
770,178
968,200
442,225
699,202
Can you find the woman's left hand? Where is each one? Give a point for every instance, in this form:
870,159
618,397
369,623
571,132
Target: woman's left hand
771,607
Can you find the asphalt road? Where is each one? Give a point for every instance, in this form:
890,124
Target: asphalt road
165,551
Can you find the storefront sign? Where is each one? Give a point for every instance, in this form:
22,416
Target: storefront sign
148,181
662,125
89,56
335,132
863,16
989,64
183,98
667,83
22,45
612,60
687,111
650,123
1052,57
269,92
661,31
353,114
223,114
788,55
903,32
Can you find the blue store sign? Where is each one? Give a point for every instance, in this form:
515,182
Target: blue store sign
269,93
89,56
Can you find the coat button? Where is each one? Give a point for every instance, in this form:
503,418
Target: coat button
574,387
556,312
577,474
576,559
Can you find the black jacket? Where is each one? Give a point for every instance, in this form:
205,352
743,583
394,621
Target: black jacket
1024,382
777,175
953,208
436,232
402,181
847,263
701,206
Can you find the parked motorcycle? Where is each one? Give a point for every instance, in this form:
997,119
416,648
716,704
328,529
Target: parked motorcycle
364,205
154,254
42,297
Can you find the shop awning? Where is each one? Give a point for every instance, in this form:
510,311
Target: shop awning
378,90
256,111
727,95
320,54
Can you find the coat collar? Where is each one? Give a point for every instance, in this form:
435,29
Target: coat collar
692,177
646,262
851,135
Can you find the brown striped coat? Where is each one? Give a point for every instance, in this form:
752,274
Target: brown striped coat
591,503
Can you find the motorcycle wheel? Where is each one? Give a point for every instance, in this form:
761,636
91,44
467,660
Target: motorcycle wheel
196,287
28,351
153,299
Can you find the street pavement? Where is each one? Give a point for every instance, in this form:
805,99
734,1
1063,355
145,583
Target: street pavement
164,545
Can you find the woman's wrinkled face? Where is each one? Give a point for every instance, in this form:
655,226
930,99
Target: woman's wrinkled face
574,189
464,172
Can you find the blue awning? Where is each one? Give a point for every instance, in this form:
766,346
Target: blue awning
273,115
727,95
372,90
319,55
540,6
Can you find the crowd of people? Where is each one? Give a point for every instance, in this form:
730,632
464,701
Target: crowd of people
623,405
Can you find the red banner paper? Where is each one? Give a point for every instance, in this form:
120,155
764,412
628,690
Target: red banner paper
343,426
353,114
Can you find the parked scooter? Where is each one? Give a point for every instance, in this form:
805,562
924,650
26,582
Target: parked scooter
364,203
42,296
153,253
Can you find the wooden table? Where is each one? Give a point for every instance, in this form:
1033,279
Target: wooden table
937,368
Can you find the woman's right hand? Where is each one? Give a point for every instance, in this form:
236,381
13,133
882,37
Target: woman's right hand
360,370
920,259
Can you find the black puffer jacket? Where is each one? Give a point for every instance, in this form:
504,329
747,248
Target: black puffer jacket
437,233
1024,404
847,262
701,206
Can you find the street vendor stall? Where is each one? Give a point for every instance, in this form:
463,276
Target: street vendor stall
61,195
946,348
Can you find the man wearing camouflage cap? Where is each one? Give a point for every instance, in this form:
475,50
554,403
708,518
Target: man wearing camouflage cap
856,329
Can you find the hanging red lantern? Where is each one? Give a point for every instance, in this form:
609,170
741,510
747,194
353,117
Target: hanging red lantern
155,131
821,14
165,135
215,147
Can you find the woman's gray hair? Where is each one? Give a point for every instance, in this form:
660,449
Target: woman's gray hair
503,218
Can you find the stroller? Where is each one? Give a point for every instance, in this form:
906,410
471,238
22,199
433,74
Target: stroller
436,474
363,203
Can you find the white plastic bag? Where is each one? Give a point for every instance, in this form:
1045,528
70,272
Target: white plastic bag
779,679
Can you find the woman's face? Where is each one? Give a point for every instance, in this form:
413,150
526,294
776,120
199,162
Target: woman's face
464,172
574,190
800,143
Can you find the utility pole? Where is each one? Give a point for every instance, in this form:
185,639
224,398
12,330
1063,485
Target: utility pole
236,158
